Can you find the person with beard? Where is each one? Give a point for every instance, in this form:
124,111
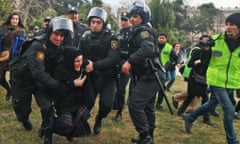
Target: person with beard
223,73
73,108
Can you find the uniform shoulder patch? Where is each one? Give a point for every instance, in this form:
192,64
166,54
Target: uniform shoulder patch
114,44
40,56
145,34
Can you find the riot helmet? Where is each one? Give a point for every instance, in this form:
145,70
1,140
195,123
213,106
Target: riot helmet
62,24
47,19
142,9
99,13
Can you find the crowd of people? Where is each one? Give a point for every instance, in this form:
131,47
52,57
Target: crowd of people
67,65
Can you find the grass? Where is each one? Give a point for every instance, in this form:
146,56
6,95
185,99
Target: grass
169,128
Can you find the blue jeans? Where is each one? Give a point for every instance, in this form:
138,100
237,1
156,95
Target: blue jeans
171,77
221,96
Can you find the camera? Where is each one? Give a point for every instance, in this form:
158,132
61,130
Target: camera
207,41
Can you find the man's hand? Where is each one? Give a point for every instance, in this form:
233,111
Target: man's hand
126,67
197,61
89,67
79,81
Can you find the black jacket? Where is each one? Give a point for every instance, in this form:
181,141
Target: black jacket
74,97
43,57
142,46
103,49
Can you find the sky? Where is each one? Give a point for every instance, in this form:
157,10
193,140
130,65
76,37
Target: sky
217,3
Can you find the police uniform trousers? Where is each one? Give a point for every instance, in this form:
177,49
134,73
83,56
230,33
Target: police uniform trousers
141,104
121,91
105,87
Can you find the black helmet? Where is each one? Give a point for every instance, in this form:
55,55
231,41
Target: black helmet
99,13
142,9
47,18
61,24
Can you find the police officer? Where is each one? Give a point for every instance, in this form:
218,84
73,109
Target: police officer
142,48
78,27
101,49
122,79
43,30
42,56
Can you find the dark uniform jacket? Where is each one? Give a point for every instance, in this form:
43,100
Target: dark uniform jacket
78,30
123,37
74,96
142,46
43,57
102,49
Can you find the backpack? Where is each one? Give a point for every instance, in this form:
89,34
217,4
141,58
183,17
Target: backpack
18,66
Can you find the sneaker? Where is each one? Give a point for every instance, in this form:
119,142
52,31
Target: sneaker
237,116
159,106
118,117
214,113
174,102
208,122
188,123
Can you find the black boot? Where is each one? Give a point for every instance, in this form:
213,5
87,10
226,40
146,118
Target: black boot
97,126
27,125
8,95
151,133
48,138
144,138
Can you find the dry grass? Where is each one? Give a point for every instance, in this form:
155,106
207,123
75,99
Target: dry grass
169,128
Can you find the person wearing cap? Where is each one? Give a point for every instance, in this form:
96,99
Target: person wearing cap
122,79
79,28
222,75
40,59
35,30
46,21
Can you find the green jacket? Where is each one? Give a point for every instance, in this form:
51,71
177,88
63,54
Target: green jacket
224,67
165,53
187,70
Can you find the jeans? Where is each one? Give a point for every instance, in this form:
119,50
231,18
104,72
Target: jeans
171,77
221,96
